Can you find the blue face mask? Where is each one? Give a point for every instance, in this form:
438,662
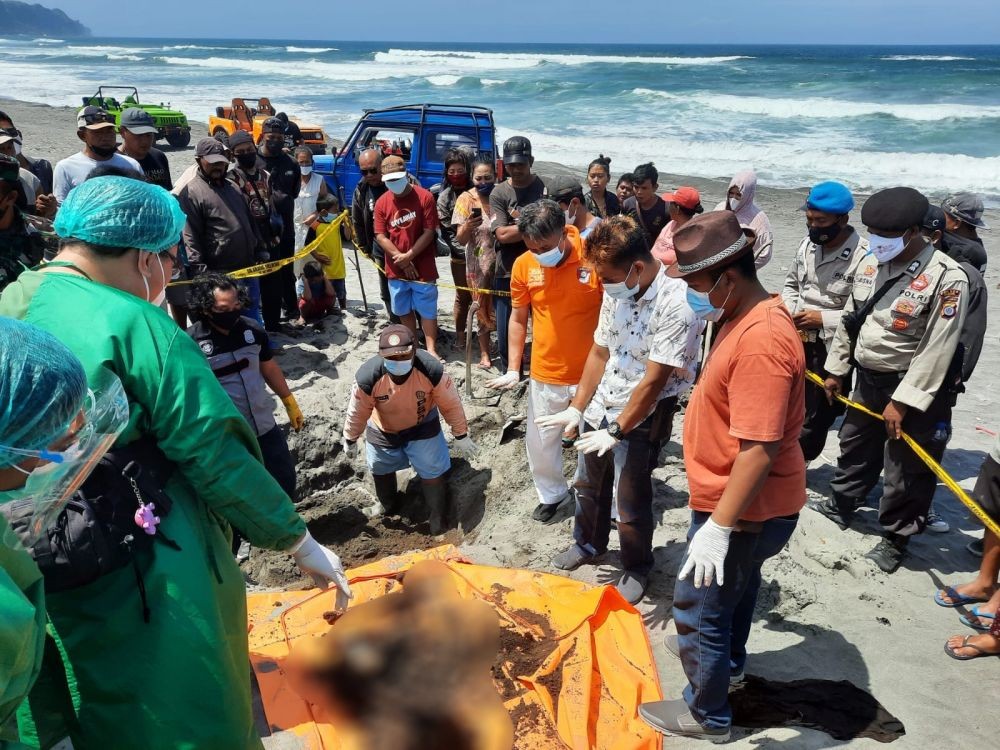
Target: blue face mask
620,289
485,188
397,367
550,258
702,306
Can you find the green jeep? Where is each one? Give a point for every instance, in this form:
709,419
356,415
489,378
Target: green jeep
173,125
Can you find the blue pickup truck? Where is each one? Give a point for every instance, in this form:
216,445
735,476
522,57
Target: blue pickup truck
420,133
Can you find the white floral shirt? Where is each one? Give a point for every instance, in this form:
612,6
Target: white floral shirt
658,327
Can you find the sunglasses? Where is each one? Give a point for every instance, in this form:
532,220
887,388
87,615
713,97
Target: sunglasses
97,117
12,132
370,171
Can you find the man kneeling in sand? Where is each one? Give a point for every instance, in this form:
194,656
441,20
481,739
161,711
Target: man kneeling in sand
397,394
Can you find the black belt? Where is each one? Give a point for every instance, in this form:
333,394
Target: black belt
881,379
232,368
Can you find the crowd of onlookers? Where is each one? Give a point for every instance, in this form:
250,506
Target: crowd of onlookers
637,301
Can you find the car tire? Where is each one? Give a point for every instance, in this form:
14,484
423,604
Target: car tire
179,139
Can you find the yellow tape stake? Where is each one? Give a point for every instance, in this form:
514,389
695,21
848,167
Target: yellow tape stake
933,465
262,269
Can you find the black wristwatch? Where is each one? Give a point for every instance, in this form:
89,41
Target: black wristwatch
615,431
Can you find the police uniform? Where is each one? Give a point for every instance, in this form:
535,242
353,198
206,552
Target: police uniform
821,278
903,352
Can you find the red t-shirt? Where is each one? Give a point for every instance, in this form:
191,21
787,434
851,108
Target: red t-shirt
751,388
403,219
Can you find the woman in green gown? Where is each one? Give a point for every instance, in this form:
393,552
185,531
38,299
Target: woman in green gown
179,680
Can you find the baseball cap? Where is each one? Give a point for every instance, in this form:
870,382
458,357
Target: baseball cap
895,209
684,196
933,219
94,118
830,198
966,207
517,150
272,125
239,137
138,121
393,168
211,151
9,134
395,339
565,188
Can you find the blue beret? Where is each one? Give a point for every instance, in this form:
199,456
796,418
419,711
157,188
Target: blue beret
830,198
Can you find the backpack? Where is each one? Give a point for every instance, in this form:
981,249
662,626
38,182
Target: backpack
970,343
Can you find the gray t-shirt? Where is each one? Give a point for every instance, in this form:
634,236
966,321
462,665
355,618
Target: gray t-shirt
74,169
504,201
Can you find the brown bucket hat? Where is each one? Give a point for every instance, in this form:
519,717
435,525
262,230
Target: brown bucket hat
709,240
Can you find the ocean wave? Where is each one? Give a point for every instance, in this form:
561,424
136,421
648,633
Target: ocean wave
493,81
131,58
443,80
824,108
503,60
314,50
925,58
47,40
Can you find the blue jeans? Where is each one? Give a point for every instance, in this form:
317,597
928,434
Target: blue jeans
502,308
713,622
253,289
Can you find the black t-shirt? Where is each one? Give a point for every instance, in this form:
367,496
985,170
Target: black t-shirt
156,168
651,220
504,201
293,136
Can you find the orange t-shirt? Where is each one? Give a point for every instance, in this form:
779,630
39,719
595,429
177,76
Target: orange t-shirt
751,388
565,304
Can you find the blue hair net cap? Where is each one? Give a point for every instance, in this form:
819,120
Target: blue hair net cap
42,388
121,212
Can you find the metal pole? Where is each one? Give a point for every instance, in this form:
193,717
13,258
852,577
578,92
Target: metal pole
468,347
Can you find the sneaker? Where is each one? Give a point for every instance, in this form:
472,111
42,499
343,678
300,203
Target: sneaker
674,718
632,586
937,524
829,508
573,558
550,513
889,553
672,644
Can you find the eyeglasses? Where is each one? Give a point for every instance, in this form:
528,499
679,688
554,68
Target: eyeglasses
370,171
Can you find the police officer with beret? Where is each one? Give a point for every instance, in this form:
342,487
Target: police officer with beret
901,329
817,287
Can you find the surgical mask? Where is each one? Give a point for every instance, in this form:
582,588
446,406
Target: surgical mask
485,188
570,217
306,171
17,148
397,367
247,160
103,151
158,300
620,289
398,187
885,248
227,319
702,306
550,258
823,235
734,203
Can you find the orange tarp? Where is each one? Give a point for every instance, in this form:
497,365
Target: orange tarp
597,639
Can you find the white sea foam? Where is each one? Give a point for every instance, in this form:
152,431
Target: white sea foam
493,81
133,58
513,60
926,58
314,50
823,108
46,40
443,80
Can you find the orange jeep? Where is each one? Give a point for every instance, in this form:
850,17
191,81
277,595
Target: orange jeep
249,115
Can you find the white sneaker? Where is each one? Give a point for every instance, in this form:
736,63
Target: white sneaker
937,524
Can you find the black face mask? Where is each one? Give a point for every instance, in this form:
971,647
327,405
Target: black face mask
226,320
824,235
247,161
274,146
103,151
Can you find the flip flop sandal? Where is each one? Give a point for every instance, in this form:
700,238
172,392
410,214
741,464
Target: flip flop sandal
973,622
965,644
957,599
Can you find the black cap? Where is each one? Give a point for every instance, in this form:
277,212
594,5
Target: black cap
137,121
239,137
563,189
966,207
10,170
211,151
895,209
395,339
934,219
272,125
517,150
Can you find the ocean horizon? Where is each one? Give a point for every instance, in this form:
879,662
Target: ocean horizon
871,116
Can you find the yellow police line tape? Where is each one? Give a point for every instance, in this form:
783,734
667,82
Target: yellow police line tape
933,465
262,269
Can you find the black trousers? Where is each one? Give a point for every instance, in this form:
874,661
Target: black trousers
865,450
378,255
631,462
820,413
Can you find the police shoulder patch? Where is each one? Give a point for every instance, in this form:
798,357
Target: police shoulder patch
846,252
248,336
913,267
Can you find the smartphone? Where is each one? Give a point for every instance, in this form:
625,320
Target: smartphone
476,213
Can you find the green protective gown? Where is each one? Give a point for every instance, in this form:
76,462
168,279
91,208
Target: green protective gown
180,681
22,630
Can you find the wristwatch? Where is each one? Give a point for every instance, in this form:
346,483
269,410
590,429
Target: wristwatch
615,431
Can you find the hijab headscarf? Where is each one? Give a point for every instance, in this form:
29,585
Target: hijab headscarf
750,215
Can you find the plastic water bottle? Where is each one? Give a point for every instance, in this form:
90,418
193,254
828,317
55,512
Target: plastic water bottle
942,432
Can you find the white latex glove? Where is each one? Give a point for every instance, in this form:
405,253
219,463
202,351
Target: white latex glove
567,419
505,382
706,554
599,441
323,566
466,447
350,449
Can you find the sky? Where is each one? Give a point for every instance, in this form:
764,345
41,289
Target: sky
553,21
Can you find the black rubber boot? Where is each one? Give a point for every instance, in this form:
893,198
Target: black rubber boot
386,492
837,509
436,496
889,553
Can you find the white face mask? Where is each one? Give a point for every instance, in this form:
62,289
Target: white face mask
17,148
734,203
306,171
158,300
570,217
620,290
885,248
